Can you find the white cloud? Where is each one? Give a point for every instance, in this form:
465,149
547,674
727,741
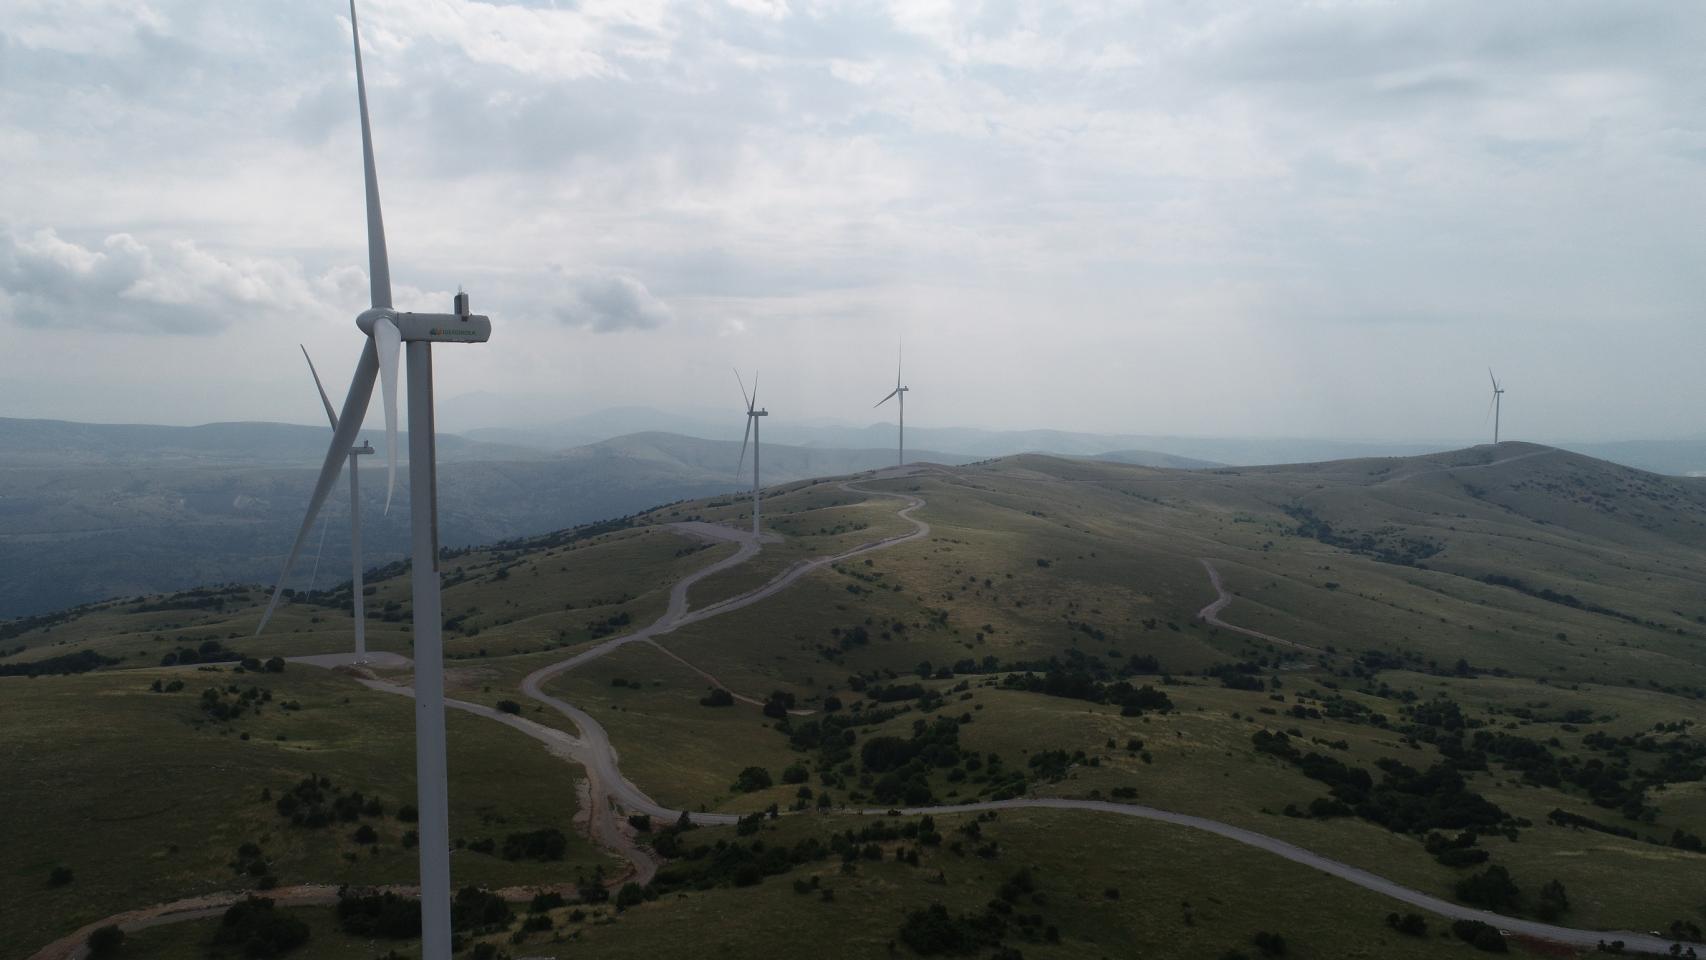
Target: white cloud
611,303
124,284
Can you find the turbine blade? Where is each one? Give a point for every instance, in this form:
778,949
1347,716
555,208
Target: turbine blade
887,398
386,342
744,398
898,356
754,390
349,424
743,441
378,264
1494,379
330,413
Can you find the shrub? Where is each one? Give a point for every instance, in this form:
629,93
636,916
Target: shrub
106,941
546,901
509,706
260,930
750,779
1491,889
631,894
59,876
475,909
1481,936
382,915
718,697
1554,902
543,844
1410,924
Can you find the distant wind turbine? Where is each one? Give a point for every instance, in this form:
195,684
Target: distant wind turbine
354,516
1497,404
386,331
753,412
898,391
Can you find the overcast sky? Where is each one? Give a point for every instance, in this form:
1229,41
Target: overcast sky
1322,219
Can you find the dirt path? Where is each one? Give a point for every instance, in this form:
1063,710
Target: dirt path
607,791
1211,613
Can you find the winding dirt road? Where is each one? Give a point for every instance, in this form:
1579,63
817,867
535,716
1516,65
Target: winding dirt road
609,793
1211,613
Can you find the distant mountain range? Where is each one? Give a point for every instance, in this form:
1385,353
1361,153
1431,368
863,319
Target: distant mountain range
1681,457
89,511
93,511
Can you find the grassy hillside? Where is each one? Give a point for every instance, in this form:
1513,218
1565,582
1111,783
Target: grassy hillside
1484,659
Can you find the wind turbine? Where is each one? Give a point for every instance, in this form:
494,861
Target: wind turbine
387,331
753,412
898,391
354,516
1497,404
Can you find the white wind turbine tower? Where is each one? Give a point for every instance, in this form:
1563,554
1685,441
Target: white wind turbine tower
1497,404
898,391
354,516
386,331
753,412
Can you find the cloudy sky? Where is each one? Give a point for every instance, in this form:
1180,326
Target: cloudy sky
1311,219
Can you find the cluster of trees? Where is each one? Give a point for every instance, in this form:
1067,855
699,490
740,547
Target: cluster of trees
1387,545
314,802
1079,685
1238,676
215,703
933,931
479,911
209,651
726,863
203,598
1553,596
80,662
609,625
902,767
1405,800
260,931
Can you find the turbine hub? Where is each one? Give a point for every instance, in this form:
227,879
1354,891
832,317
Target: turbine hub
367,318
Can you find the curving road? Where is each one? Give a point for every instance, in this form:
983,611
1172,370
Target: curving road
1211,613
609,790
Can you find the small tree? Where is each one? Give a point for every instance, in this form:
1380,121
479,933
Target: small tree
106,941
1554,902
59,876
750,779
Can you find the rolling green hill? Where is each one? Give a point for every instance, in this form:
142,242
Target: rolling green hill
1432,669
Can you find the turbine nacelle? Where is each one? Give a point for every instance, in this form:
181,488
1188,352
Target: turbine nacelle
363,449
430,327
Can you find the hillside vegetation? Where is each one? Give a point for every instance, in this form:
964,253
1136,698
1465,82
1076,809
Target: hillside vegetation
1477,674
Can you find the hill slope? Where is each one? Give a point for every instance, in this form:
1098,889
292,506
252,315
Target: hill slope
1419,667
